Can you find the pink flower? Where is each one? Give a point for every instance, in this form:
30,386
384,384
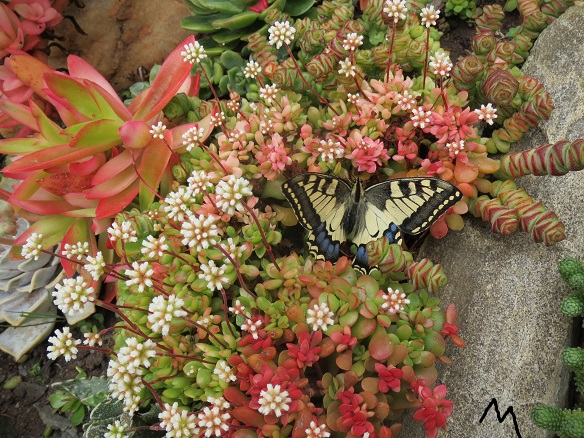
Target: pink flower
306,352
435,409
368,154
453,124
273,158
37,15
389,377
406,147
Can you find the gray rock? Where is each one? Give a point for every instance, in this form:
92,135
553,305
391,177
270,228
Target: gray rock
507,289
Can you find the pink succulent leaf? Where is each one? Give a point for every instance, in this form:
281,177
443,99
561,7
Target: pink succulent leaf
111,105
88,166
114,166
81,69
36,15
13,146
51,132
18,112
11,86
114,185
136,134
53,228
172,73
108,207
30,71
154,160
11,33
176,140
90,140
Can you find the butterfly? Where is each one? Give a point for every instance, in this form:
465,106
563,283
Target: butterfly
335,212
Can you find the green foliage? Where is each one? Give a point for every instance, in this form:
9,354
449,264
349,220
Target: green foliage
73,396
565,423
110,411
463,8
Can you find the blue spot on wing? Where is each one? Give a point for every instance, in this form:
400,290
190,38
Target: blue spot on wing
362,258
324,243
392,234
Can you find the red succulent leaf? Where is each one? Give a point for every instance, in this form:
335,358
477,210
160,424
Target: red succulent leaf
30,71
389,377
63,183
248,416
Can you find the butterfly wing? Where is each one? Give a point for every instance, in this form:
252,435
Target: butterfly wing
412,204
321,203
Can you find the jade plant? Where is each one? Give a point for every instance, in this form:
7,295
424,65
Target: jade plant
568,423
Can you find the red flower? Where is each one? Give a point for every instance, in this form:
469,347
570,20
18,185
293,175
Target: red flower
435,409
354,416
306,352
389,377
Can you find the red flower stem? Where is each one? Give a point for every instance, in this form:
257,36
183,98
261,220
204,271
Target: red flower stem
236,266
142,179
154,393
390,51
176,155
425,68
224,295
262,234
210,85
102,349
320,98
216,158
114,308
182,356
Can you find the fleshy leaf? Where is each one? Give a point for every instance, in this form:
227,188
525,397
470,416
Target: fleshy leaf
152,164
108,207
30,71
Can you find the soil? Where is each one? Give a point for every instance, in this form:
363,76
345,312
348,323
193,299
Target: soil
118,46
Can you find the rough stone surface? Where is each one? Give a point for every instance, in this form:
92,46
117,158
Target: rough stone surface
130,34
507,289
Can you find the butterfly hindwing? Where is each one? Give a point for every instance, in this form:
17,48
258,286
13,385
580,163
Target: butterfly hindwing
320,203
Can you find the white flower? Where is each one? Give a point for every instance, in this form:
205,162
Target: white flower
420,118
281,32
395,9
273,400
193,52
331,150
231,248
252,327
347,68
440,63
157,131
162,310
140,274
394,301
316,430
224,371
213,275
137,353
92,339
125,383
429,16
95,265
116,430
487,113
124,232
352,41
199,182
77,250
268,92
63,344
72,295
213,421
33,246
231,194
352,98
178,204
200,232
455,147
193,137
320,316
219,402
252,69
178,423
406,100
237,308
218,118
153,247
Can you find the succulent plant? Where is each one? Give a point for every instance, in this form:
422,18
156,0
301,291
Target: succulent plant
568,423
25,302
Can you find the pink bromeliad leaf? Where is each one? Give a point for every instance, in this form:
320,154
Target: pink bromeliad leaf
152,164
172,74
108,207
135,134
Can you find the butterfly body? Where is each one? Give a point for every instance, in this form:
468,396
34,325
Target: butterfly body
335,212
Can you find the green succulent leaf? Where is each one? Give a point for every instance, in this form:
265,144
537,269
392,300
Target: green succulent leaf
239,21
298,7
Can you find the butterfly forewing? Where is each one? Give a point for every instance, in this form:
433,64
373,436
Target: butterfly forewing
320,203
413,204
